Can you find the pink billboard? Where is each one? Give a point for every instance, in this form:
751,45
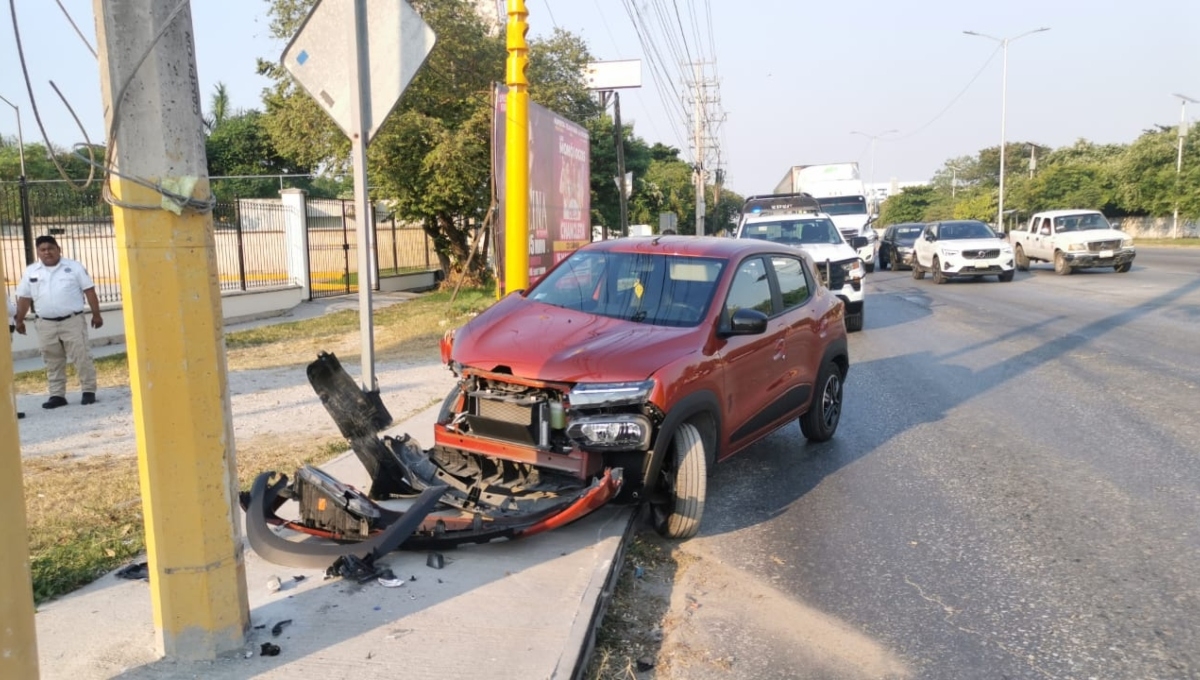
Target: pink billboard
559,187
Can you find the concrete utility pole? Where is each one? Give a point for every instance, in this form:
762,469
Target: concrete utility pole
619,134
18,635
516,152
173,327
1183,102
698,132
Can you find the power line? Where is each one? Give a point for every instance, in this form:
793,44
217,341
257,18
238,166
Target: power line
952,101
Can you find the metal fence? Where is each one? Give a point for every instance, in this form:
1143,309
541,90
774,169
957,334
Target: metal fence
249,236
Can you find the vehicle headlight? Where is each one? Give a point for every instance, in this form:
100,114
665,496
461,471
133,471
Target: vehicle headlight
855,270
950,252
616,431
1076,247
1127,242
586,395
903,249
1006,248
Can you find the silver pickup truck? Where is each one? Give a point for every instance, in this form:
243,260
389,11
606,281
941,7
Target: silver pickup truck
1072,239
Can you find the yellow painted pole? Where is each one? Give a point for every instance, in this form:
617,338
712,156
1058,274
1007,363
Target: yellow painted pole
18,635
173,322
516,145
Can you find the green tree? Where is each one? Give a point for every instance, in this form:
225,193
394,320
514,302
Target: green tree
218,107
240,145
910,205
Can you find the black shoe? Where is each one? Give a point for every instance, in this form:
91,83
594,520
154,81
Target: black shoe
88,398
20,415
55,402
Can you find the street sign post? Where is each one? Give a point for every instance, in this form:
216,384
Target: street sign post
356,59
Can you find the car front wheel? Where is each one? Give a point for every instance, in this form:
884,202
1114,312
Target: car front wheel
938,275
918,273
1123,268
684,481
1061,266
1007,276
825,411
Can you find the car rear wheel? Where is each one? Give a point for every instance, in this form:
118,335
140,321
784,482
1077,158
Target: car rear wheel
918,273
938,275
1022,259
684,482
825,411
1061,266
1123,268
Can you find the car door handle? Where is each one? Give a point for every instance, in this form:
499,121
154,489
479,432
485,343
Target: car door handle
780,350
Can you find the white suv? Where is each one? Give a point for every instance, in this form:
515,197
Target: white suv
961,248
814,233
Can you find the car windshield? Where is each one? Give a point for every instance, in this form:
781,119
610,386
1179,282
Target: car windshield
1084,222
650,288
844,205
962,230
794,232
908,234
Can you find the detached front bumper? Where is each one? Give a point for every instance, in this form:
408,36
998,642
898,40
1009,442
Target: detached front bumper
418,499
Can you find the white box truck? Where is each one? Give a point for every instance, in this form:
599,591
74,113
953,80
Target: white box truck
839,189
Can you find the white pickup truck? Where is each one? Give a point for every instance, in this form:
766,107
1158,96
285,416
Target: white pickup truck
1072,239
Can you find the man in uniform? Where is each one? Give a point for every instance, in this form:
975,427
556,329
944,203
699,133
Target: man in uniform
57,287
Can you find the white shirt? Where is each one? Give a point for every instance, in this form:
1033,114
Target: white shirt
12,311
56,291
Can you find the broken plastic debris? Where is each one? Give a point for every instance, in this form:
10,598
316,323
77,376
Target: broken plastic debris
138,571
278,628
387,579
435,560
274,585
269,649
638,572
645,663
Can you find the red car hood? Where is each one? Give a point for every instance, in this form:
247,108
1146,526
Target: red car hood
550,343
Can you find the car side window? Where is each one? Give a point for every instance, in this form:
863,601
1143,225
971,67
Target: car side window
794,286
750,288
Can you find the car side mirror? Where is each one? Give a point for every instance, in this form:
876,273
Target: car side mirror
747,321
929,237
857,242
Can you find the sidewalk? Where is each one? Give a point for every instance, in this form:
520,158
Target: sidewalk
521,609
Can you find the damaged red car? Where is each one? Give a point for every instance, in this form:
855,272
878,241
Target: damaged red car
657,356
625,373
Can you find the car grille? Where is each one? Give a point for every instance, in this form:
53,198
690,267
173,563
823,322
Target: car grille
988,254
504,420
834,275
1097,246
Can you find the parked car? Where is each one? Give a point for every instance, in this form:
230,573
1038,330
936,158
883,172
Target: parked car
1072,239
895,247
961,248
788,219
658,355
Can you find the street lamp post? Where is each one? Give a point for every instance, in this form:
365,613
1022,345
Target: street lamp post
871,176
1004,42
1183,102
20,136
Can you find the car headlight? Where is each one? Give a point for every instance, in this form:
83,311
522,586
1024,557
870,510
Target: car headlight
586,395
903,250
1127,242
616,431
1076,247
855,270
949,252
1006,248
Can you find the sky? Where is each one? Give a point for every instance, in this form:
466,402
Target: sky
796,79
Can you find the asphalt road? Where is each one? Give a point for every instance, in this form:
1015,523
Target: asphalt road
1014,491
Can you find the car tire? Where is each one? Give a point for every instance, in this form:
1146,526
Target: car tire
918,273
883,261
939,277
1007,276
685,483
1061,266
1123,268
1022,259
870,266
825,412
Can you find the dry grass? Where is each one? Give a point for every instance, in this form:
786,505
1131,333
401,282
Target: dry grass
85,514
632,627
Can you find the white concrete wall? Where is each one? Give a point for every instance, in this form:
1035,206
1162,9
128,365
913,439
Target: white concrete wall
236,307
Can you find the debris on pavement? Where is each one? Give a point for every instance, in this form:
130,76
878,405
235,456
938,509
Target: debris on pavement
388,579
456,497
435,561
269,649
274,585
278,628
360,569
138,571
